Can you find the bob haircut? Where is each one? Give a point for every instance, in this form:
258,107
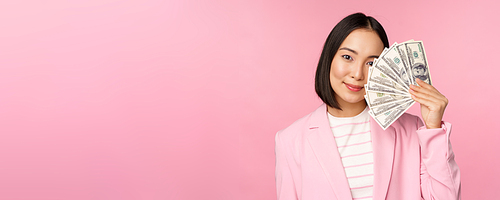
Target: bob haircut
332,44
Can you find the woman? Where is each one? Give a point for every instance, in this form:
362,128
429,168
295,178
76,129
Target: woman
339,152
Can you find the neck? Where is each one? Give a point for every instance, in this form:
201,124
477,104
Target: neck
348,110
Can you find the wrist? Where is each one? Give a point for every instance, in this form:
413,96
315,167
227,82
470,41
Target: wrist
434,126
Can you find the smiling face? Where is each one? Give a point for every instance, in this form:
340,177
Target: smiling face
349,69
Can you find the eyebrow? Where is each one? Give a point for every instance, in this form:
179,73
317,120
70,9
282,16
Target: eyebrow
354,52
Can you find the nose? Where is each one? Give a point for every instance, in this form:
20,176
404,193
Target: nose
358,71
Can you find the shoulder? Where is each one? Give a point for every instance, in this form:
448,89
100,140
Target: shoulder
298,128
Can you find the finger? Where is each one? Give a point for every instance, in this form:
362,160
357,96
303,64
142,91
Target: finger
420,90
429,103
425,85
429,87
428,94
437,100
431,100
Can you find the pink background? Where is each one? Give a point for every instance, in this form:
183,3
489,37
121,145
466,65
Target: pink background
181,99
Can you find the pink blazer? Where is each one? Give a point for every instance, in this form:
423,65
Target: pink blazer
409,162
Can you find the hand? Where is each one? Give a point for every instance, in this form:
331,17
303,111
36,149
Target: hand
432,103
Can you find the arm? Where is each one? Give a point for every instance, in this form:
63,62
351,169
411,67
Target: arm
439,173
285,186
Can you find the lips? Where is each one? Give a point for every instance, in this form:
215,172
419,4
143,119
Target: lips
353,88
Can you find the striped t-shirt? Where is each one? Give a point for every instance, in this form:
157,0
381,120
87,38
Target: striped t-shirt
354,143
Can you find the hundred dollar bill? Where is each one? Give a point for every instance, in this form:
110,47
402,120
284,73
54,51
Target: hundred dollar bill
383,52
385,119
375,99
375,87
386,107
395,63
404,59
376,76
417,61
384,68
387,49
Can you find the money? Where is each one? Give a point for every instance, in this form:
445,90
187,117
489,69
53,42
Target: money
390,116
417,61
375,99
372,86
395,62
382,66
389,106
390,78
377,76
404,58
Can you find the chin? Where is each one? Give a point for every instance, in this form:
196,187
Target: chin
354,100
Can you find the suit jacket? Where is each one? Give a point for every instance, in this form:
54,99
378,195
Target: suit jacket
410,162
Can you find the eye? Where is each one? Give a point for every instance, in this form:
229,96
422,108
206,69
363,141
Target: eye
347,57
370,63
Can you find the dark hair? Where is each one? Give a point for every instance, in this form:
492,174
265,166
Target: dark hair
332,44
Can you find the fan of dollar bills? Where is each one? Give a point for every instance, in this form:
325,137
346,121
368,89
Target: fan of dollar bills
389,80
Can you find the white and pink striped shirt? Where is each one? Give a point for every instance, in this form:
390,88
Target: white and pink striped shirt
354,143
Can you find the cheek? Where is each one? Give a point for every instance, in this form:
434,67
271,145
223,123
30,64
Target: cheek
338,71
366,74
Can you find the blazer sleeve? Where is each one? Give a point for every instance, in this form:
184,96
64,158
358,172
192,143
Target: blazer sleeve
439,173
285,185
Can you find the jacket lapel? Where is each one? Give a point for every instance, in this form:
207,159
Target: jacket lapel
383,156
325,148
